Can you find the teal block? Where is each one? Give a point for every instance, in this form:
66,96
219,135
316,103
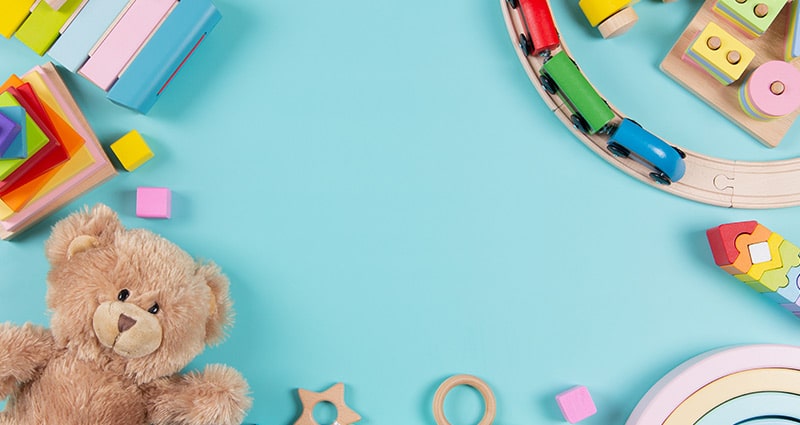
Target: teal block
157,63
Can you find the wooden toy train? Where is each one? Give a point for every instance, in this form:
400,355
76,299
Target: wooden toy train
590,113
132,49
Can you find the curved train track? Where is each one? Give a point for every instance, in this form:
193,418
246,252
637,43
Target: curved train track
714,181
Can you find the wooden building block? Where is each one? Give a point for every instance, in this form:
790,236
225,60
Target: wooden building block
576,404
725,99
9,129
36,138
153,202
597,11
720,54
44,25
17,149
722,240
124,41
12,14
131,150
771,91
753,17
772,261
789,293
165,53
71,50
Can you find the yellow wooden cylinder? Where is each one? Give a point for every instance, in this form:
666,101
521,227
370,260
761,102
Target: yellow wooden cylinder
597,11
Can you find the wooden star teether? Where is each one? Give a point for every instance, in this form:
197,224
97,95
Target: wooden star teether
333,395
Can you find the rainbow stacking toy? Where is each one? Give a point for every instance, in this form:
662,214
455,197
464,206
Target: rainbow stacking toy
761,258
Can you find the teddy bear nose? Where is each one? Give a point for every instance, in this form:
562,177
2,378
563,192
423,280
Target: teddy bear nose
125,323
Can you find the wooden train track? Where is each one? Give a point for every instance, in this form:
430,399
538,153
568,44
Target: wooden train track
708,180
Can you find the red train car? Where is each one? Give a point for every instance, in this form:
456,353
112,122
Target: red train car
542,36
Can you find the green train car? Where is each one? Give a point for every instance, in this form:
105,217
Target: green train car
590,113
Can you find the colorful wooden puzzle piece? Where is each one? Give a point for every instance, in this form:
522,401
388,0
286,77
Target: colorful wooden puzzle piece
720,54
576,404
762,259
753,17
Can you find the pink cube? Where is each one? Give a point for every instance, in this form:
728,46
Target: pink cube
576,404
153,202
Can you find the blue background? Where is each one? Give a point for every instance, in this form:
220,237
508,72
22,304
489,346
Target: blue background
394,204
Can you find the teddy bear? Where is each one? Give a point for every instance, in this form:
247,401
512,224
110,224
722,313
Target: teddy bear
129,310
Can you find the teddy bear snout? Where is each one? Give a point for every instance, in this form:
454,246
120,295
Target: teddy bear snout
125,322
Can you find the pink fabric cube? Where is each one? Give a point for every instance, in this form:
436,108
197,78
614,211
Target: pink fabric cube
576,404
153,202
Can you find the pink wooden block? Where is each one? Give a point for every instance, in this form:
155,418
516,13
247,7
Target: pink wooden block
576,404
760,88
120,46
153,202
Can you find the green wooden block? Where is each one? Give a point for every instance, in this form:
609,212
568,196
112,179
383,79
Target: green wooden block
43,26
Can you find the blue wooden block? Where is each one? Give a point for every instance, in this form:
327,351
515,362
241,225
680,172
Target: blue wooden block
18,148
72,49
157,63
8,132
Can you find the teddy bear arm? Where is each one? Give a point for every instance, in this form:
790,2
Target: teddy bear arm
217,395
24,351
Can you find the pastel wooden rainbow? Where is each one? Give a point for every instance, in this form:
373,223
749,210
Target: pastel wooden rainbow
709,381
761,404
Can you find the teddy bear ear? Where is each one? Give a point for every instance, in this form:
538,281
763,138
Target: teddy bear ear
220,306
82,231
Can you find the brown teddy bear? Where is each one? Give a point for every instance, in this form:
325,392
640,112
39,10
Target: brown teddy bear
129,311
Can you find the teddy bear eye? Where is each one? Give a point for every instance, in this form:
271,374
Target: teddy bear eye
123,295
154,309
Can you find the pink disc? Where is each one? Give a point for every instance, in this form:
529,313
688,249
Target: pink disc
761,88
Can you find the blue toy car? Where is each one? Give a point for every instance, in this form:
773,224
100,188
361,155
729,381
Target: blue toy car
666,161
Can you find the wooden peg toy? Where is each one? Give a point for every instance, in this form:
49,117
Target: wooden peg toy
793,36
333,395
472,381
771,91
611,17
576,404
719,54
753,17
131,150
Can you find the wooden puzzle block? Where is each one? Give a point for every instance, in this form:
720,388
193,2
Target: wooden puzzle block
71,50
753,17
742,263
9,129
720,54
788,296
153,202
771,91
793,36
131,150
725,99
12,14
771,261
44,25
722,240
166,52
122,43
790,257
17,148
576,404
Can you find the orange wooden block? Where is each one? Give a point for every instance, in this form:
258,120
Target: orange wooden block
743,264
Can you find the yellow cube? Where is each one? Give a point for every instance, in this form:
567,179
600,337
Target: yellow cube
131,150
721,54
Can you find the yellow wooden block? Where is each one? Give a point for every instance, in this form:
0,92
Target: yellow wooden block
776,279
12,14
718,50
753,276
597,11
131,150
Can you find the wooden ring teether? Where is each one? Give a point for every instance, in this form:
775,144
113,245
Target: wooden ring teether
472,381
